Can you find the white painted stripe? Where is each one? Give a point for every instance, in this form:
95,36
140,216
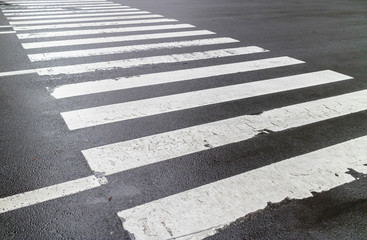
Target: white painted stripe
5,26
37,2
98,31
124,49
17,23
139,152
95,24
84,88
90,8
32,10
16,73
48,193
196,213
50,4
7,32
50,14
68,14
147,107
56,6
137,62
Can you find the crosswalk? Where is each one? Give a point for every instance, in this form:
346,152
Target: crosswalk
58,31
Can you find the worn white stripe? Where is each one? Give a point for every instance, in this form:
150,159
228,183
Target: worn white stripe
7,32
69,14
97,31
5,26
85,19
16,73
84,88
95,24
57,6
48,193
36,2
147,107
125,49
136,62
196,213
139,152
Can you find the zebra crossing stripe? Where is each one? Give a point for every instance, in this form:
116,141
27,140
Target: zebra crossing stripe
95,24
74,14
32,10
34,2
7,32
52,14
197,213
90,8
48,193
84,88
86,19
137,62
147,107
50,4
83,41
124,49
56,6
122,156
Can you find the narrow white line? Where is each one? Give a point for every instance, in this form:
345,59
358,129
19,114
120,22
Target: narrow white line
79,89
32,10
48,193
7,32
197,213
85,19
147,107
70,14
95,31
124,49
139,152
37,2
5,26
56,6
136,62
50,4
51,11
95,24
16,73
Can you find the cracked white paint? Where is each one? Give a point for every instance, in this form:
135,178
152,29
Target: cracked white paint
196,213
49,193
135,109
136,62
84,88
85,19
100,39
139,152
94,24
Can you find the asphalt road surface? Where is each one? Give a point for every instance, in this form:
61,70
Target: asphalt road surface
172,119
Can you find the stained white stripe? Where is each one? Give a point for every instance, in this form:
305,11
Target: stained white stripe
17,23
7,32
69,14
135,109
95,24
84,88
136,62
125,49
196,213
96,31
139,152
48,193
